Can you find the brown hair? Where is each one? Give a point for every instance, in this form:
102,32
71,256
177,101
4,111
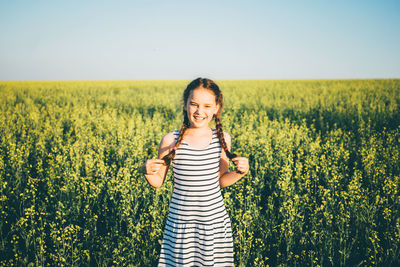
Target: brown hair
210,85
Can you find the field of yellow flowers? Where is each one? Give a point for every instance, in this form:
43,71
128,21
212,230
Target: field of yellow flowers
323,187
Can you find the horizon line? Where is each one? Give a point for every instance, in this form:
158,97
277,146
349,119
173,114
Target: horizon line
135,80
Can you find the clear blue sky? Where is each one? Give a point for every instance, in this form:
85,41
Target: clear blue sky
128,40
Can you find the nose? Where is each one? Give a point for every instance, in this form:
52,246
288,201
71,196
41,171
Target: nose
198,110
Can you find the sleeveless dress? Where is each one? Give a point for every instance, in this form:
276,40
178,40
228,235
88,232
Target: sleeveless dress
198,229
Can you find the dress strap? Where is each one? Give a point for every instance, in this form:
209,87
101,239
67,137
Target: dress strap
215,134
176,134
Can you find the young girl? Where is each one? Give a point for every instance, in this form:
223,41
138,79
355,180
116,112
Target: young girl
198,229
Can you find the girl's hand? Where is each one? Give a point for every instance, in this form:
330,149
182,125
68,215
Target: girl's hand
152,166
242,164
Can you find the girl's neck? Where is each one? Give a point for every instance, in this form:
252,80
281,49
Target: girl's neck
198,131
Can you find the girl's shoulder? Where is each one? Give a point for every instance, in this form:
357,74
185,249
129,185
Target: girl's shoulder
227,137
169,139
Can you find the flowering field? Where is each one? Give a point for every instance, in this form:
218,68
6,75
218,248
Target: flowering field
323,187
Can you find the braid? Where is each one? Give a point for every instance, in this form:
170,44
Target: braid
221,138
167,158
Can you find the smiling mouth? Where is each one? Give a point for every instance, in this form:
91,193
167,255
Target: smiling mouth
199,118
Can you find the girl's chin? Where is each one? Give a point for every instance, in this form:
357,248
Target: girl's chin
199,123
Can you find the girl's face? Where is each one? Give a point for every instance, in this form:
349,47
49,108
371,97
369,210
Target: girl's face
201,107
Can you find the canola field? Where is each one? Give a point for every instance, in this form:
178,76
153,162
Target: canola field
322,190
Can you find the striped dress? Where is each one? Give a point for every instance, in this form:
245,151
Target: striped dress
198,229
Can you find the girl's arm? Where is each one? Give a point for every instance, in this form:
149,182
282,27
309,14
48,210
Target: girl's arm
156,179
228,178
